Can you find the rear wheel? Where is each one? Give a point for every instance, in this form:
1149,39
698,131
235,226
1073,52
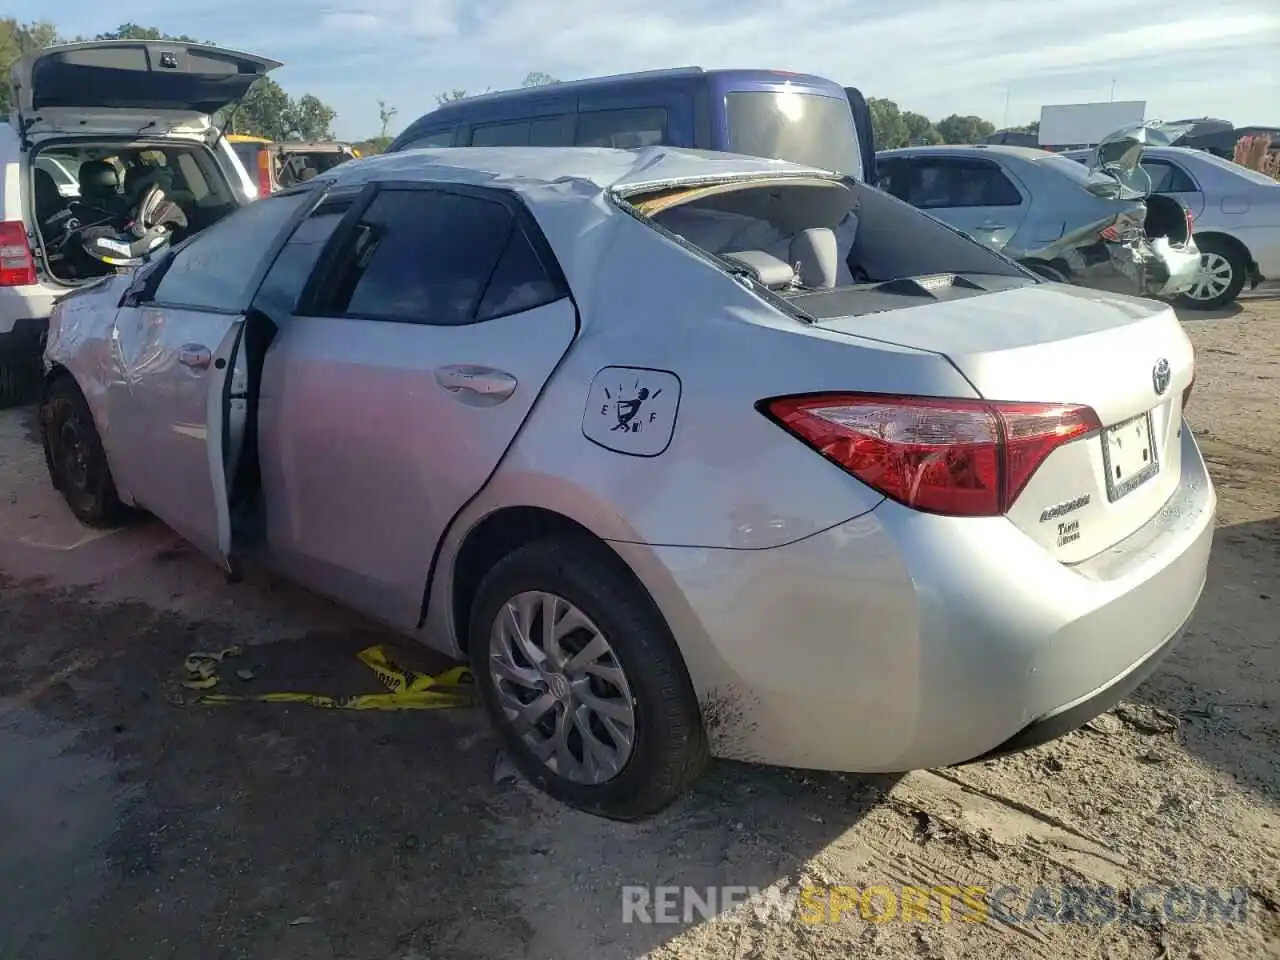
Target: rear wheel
1223,271
584,681
75,457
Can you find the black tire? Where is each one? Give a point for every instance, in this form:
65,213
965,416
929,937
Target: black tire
75,458
669,748
1235,258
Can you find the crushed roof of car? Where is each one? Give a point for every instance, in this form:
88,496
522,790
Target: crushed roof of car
599,168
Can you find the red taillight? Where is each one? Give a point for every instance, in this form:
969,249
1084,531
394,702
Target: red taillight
967,458
17,265
1111,233
264,173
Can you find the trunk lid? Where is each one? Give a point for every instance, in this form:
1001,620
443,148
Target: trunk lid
1116,162
1126,358
150,87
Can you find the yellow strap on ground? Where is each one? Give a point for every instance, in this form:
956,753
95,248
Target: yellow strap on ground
408,690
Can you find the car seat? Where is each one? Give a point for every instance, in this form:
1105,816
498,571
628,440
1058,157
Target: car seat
99,182
48,201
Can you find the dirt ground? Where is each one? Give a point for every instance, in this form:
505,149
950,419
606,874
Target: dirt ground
136,824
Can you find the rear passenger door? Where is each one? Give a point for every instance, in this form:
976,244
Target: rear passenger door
399,376
973,195
1171,180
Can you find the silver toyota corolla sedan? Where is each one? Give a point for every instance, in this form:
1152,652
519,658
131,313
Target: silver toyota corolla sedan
687,453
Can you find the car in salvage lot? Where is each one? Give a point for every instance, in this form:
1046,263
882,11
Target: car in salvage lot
1237,217
687,453
104,105
1088,225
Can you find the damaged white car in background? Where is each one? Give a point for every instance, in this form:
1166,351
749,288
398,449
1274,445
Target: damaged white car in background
1098,226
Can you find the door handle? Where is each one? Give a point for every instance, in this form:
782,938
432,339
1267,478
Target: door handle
990,225
480,382
195,356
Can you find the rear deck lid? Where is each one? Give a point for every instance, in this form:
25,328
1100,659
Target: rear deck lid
112,86
1118,157
1127,359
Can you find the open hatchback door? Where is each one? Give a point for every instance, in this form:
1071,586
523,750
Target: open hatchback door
143,87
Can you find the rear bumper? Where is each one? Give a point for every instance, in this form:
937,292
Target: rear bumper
1177,264
24,314
901,640
1070,716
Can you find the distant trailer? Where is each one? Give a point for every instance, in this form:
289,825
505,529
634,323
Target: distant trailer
1085,124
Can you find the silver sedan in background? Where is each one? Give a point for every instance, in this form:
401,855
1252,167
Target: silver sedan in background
687,453
1094,227
1237,218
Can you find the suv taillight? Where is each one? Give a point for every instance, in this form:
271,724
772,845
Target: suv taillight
17,265
264,173
964,458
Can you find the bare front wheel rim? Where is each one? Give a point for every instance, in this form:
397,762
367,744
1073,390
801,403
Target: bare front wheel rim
562,688
1213,278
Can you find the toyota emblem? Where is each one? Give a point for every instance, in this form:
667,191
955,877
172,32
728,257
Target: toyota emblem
1160,376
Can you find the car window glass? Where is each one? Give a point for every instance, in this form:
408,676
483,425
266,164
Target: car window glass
520,281
287,277
247,154
501,135
420,256
442,138
942,184
213,270
552,131
1167,178
623,129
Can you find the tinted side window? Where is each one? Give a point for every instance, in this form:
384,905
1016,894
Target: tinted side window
625,129
552,131
288,276
1168,178
939,184
213,271
521,281
501,135
420,256
441,138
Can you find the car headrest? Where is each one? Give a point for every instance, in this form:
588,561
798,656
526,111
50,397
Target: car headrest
47,197
816,256
765,267
98,178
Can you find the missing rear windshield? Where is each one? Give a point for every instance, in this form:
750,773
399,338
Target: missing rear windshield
803,128
828,247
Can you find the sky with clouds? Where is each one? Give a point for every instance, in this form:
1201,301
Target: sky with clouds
1001,59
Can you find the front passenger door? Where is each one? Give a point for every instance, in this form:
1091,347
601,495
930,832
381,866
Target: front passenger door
389,395
174,350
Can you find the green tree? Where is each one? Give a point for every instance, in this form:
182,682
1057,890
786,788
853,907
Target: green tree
132,31
537,78
385,116
17,39
449,96
970,129
887,123
308,118
919,129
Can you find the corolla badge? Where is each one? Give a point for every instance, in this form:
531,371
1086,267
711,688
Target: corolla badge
1160,375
